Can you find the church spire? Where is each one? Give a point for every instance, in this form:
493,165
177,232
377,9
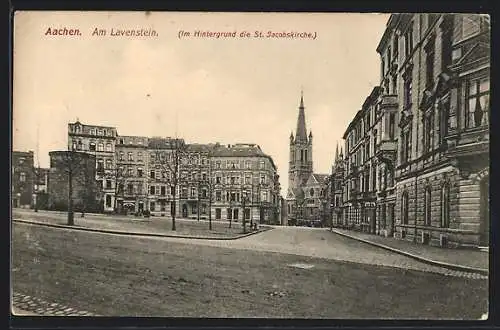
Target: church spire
337,152
301,134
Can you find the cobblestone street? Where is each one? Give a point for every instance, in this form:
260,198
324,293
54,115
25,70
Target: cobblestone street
37,306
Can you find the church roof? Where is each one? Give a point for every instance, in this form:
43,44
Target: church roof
320,177
301,133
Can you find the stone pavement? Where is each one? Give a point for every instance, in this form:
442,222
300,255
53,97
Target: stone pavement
462,257
23,305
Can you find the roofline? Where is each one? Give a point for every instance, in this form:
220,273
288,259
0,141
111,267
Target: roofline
351,124
391,22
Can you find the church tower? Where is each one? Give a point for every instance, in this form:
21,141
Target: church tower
301,158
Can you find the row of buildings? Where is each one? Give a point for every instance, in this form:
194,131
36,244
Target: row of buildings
136,174
416,162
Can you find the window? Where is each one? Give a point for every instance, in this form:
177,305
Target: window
204,176
152,206
264,196
22,177
408,92
152,157
429,130
217,214
108,200
163,190
100,147
139,156
404,208
217,164
445,206
218,179
247,164
408,37
262,165
194,209
428,206
131,171
152,190
311,192
429,63
229,214
130,188
248,179
235,214
108,147
109,164
100,165
108,184
121,155
92,146
218,196
392,125
130,157
203,193
406,150
193,192
139,172
92,131
152,174
120,188
478,102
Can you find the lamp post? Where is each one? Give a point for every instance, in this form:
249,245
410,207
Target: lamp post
244,200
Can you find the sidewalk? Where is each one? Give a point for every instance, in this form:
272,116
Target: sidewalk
451,258
159,227
16,311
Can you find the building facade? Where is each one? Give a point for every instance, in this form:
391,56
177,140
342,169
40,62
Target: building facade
430,131
245,184
99,141
161,176
22,180
131,174
337,190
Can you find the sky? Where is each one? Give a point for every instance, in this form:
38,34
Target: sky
227,90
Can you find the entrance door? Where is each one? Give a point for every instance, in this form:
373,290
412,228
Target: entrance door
391,219
141,207
184,211
484,207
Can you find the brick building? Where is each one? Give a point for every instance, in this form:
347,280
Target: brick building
80,169
337,190
432,131
22,179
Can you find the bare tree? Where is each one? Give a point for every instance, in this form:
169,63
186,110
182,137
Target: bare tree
168,155
72,163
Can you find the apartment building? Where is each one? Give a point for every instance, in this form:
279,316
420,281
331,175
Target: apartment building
131,174
245,184
99,141
430,134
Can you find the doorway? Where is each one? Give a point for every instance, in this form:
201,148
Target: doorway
184,211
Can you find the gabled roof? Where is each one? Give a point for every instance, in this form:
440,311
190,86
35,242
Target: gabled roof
320,178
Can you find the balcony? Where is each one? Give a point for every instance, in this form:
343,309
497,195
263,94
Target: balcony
388,102
386,151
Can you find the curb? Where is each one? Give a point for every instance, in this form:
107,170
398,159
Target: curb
468,269
127,233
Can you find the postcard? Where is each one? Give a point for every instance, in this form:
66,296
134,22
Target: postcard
250,165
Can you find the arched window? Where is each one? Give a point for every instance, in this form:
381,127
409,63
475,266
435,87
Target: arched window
404,208
428,205
305,155
301,155
312,192
445,206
